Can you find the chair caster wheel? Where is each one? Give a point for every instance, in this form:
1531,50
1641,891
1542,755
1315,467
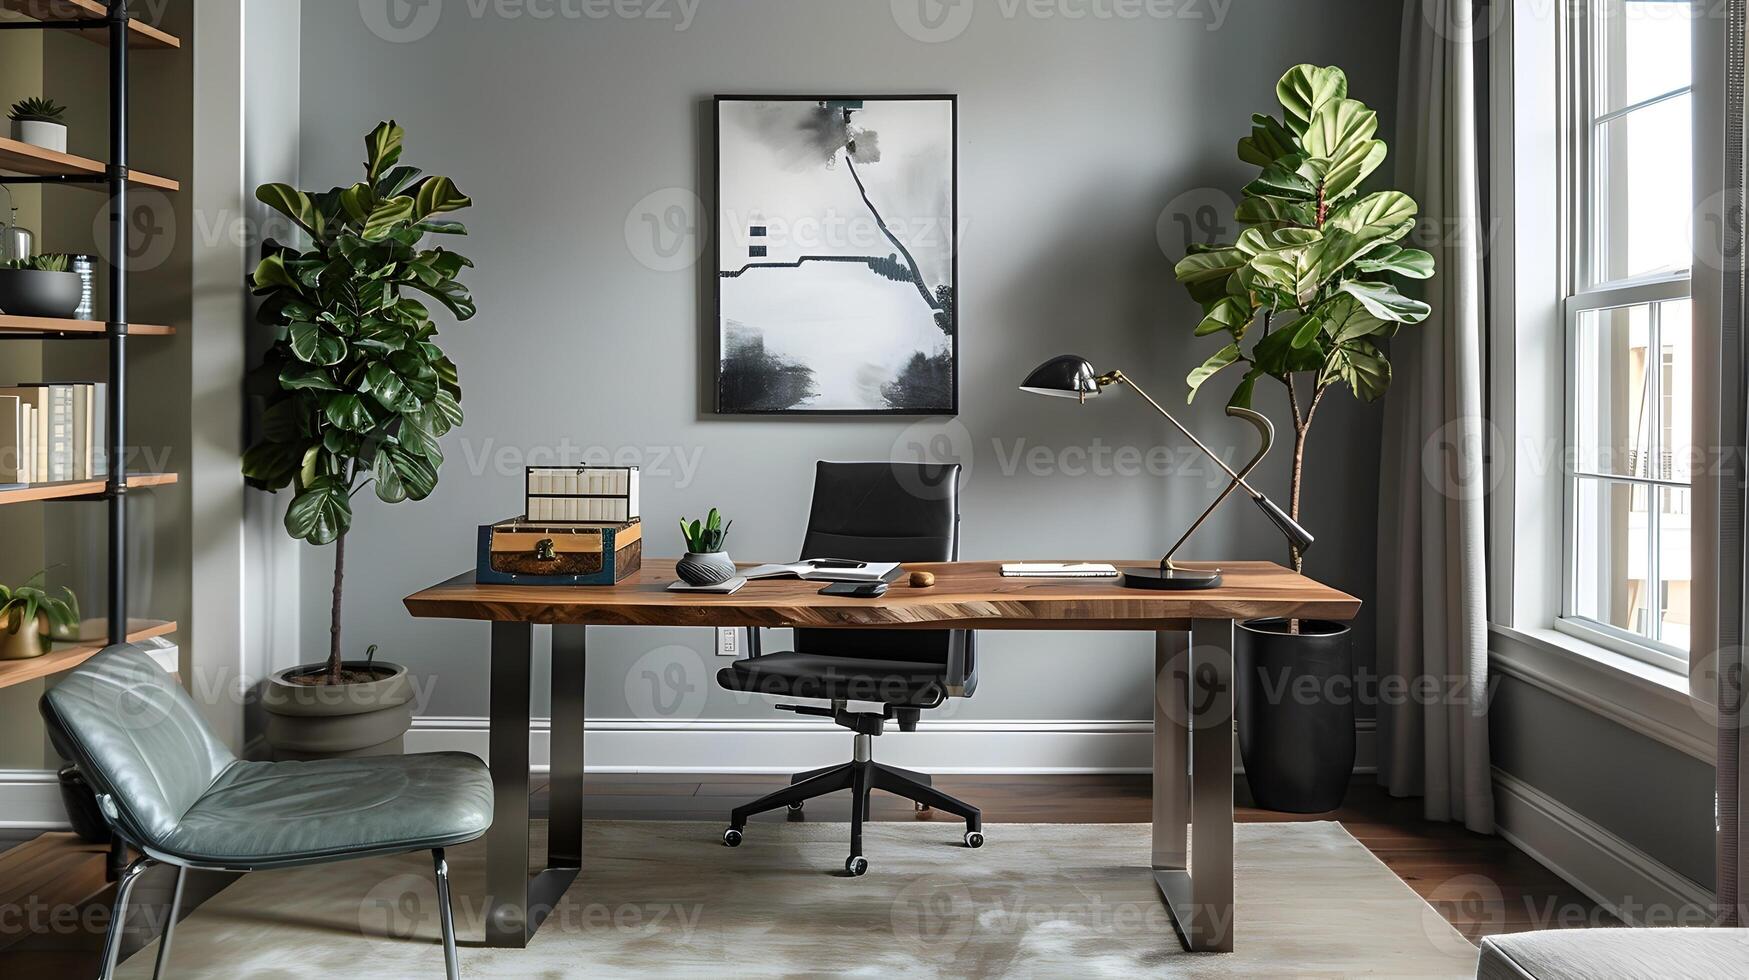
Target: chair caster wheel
921,807
856,865
974,839
795,807
732,837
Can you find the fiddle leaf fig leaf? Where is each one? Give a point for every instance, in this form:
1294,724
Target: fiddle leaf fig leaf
320,512
1412,263
1307,89
1383,301
1221,359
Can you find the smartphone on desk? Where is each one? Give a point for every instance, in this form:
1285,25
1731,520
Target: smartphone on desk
856,590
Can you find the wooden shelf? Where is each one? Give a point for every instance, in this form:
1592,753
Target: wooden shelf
68,656
22,158
72,490
52,325
140,34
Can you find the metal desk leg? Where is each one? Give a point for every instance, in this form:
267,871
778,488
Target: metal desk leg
565,787
1172,750
1200,897
516,902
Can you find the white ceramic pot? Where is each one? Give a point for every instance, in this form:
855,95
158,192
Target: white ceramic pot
36,132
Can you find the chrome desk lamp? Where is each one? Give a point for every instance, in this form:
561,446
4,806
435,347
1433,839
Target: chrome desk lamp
1069,376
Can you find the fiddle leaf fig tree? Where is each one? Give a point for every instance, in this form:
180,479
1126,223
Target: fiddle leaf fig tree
356,390
1307,293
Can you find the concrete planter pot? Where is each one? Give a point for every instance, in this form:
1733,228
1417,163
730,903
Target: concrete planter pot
314,721
41,132
705,568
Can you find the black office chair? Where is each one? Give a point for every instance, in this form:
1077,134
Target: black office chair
904,512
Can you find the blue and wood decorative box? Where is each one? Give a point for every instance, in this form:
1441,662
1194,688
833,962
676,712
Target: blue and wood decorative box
523,552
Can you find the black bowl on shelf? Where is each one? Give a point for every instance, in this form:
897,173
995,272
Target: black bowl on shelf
33,292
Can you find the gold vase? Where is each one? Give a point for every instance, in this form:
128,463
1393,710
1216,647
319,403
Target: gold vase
23,644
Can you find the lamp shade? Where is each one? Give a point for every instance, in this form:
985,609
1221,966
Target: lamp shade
1064,376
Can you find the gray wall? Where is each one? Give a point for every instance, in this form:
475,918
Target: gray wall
1075,136
1652,796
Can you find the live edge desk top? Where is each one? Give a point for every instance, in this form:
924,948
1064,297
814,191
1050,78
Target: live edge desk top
965,594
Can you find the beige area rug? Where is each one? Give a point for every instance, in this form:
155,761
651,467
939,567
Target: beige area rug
668,900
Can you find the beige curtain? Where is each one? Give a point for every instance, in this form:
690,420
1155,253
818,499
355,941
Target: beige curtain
1432,597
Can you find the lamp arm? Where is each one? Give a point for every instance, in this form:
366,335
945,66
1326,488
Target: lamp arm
1118,377
1266,432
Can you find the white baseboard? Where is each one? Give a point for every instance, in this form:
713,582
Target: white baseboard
784,746
1618,876
31,800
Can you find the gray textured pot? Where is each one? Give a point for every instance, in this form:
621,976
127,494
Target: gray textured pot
705,568
322,721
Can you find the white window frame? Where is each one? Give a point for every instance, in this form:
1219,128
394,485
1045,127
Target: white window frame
1582,294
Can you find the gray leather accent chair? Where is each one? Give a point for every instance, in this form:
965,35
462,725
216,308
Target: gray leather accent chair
173,792
1626,954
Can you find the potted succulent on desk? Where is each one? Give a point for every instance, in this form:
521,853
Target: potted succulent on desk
1305,297
705,561
39,123
30,618
356,393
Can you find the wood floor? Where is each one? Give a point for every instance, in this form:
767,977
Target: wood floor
1482,885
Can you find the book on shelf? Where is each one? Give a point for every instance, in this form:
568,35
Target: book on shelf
56,432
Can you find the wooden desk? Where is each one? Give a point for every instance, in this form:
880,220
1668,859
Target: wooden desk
1193,697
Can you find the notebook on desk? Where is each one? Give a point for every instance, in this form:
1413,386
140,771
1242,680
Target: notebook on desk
1042,569
828,570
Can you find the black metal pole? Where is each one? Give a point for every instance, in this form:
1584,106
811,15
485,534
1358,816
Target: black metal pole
118,319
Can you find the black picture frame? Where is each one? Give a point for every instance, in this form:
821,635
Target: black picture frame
715,271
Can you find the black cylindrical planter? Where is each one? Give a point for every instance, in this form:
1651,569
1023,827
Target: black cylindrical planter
1294,695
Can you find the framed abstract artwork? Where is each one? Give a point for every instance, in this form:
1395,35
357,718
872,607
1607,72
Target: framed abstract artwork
837,255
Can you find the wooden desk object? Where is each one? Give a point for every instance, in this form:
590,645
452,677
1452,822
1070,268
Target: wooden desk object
1193,696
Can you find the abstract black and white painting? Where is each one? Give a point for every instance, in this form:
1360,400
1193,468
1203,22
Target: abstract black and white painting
836,243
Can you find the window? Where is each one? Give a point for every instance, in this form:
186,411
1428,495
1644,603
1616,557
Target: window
1629,364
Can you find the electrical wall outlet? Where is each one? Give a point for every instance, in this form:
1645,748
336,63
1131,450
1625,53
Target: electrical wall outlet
728,642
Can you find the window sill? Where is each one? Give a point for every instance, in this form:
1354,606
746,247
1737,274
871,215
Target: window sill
1651,700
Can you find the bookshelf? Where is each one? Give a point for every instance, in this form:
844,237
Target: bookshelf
46,328
66,656
81,489
51,166
89,19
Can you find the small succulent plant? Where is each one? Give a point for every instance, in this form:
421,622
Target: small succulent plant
46,262
37,110
20,607
707,537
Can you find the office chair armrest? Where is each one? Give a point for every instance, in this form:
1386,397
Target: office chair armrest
962,648
753,635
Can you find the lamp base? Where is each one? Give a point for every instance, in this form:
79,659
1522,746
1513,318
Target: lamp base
1171,579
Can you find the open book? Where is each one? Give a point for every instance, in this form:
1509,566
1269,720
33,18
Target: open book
828,570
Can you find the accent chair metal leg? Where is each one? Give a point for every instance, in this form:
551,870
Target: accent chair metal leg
170,924
124,889
451,964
